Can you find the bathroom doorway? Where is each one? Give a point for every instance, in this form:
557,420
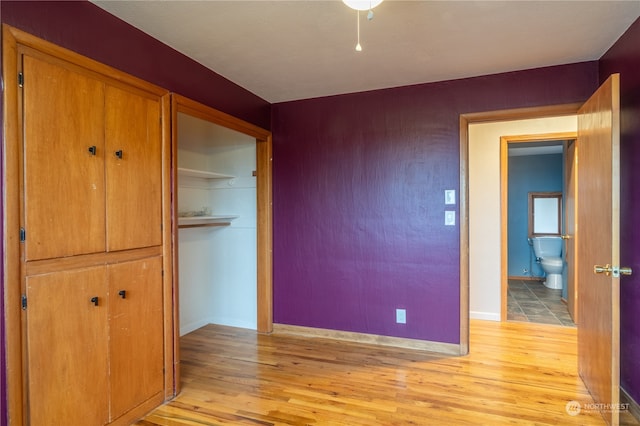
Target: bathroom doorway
535,173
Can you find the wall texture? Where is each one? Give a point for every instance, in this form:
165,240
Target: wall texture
624,57
359,186
531,173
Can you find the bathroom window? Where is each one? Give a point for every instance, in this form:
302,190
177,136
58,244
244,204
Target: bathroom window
545,210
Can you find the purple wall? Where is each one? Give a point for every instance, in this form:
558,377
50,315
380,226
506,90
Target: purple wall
624,57
359,186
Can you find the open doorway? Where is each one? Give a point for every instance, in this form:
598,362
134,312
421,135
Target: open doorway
536,206
222,227
486,233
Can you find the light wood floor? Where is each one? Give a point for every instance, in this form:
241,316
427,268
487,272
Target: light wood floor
516,373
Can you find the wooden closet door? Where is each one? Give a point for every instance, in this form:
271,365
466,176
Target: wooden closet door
67,338
133,170
63,181
136,327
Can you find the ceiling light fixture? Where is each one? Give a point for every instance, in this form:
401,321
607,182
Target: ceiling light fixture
359,5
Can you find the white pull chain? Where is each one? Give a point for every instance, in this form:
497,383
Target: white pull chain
358,47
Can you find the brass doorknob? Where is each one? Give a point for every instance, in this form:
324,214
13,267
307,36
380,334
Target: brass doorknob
565,237
599,269
615,270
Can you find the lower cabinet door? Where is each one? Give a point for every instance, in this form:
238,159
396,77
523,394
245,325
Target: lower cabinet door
67,346
136,333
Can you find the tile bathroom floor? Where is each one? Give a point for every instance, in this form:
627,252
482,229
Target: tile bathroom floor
531,301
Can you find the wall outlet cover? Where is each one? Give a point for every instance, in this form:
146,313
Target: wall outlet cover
401,316
450,218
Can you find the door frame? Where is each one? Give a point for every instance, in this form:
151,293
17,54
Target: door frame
504,201
264,284
484,117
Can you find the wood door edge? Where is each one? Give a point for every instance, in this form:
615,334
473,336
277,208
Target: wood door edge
12,283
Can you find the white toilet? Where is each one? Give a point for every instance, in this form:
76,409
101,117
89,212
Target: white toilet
549,250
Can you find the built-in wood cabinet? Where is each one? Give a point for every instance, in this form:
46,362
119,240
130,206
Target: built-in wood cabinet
92,160
94,338
88,172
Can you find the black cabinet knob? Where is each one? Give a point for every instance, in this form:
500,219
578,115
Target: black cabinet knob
123,294
119,154
94,300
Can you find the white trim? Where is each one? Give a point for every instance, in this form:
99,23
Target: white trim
489,316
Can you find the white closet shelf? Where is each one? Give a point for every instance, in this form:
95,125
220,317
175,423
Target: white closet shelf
203,221
202,174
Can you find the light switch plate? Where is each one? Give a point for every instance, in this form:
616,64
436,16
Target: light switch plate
449,196
450,218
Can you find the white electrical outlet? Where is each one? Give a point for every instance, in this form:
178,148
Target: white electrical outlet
450,218
401,316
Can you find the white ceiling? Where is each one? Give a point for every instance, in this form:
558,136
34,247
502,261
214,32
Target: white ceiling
288,50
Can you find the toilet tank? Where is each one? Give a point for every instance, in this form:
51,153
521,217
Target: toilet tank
547,246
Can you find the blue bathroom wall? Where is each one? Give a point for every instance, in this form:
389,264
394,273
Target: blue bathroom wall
529,173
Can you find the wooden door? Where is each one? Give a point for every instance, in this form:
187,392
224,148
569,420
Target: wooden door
570,236
136,333
67,337
133,169
63,181
598,221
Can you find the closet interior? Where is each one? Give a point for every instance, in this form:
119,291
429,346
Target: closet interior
217,225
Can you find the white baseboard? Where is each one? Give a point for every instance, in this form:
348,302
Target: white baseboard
374,339
188,328
489,316
233,322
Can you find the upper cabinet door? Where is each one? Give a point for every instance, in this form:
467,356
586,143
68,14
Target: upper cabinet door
133,170
63,144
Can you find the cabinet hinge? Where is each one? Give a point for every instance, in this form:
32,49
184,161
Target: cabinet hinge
24,302
20,79
23,235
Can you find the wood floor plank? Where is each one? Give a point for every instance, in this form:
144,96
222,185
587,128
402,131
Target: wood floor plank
516,373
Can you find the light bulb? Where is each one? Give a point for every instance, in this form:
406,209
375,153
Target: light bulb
362,4
358,48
